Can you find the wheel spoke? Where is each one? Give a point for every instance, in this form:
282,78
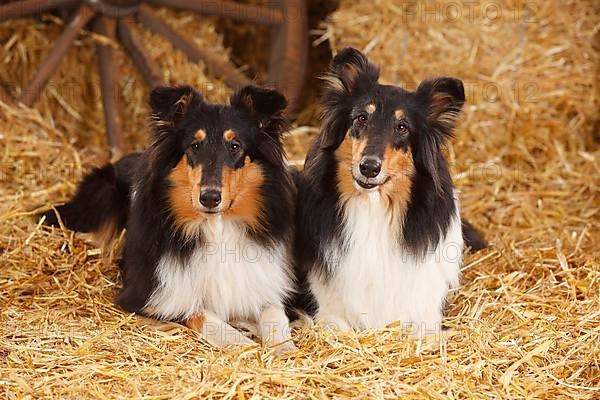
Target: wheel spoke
215,66
130,37
21,9
288,55
5,96
37,84
107,68
227,9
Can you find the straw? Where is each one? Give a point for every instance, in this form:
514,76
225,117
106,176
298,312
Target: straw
524,323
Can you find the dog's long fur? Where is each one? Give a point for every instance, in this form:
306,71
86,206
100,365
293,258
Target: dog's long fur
386,246
207,209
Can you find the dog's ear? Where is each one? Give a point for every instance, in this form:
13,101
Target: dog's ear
442,98
263,105
350,71
170,104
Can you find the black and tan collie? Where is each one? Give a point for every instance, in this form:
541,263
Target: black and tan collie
379,236
207,209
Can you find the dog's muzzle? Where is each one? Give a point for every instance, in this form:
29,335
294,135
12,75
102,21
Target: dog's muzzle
369,175
210,199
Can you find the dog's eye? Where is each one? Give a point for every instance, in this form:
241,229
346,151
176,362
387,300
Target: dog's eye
402,128
360,119
234,147
195,146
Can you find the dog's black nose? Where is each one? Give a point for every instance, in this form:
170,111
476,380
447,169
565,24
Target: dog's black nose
370,167
210,198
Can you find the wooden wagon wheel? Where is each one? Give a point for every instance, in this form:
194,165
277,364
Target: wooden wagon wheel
120,18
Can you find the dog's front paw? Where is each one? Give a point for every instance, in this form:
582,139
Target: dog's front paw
283,348
334,324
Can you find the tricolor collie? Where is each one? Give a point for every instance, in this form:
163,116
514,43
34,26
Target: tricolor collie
207,209
379,236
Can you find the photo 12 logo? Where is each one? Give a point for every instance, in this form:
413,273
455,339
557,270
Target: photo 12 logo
238,252
470,11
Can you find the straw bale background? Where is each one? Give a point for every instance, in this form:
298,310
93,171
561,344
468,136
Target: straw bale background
526,321
72,101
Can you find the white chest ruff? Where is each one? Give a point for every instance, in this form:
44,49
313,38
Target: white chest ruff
230,276
375,281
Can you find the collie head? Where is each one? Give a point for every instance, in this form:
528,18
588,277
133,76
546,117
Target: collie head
210,161
387,142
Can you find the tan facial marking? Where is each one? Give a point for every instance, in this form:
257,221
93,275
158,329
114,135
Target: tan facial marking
196,323
200,134
184,191
348,154
370,108
399,114
398,165
242,192
229,135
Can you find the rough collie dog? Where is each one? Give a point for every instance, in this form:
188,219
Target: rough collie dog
207,209
379,236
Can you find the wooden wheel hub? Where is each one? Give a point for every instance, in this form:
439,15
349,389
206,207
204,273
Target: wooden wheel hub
115,8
